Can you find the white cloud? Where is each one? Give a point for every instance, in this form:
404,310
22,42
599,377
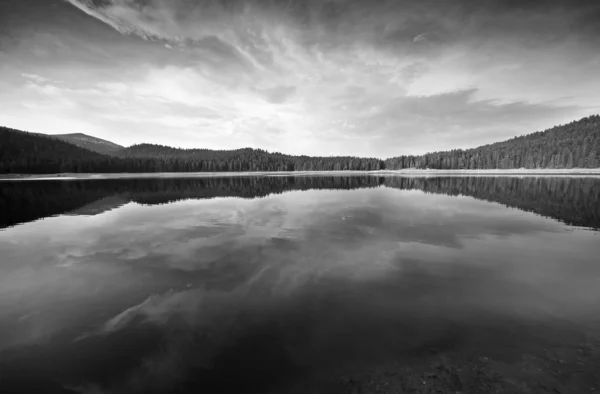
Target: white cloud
345,77
46,90
35,78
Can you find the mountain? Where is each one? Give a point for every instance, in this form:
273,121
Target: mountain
31,153
94,144
153,150
26,153
574,145
246,159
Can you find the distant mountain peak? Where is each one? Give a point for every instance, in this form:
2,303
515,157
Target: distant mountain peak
73,135
88,142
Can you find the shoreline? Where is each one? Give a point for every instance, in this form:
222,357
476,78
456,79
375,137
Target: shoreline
589,172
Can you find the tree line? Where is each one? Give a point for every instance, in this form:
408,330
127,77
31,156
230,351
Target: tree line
574,145
22,152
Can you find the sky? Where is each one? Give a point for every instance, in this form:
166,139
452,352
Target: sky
318,77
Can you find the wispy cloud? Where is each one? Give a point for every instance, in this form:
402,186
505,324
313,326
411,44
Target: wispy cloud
303,76
35,78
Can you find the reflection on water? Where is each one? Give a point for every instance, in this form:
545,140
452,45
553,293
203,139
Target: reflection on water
172,285
570,200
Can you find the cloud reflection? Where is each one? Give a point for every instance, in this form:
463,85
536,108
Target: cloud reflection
215,285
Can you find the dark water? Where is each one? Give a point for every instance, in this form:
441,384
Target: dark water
287,284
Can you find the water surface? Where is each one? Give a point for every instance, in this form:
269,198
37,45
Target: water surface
265,284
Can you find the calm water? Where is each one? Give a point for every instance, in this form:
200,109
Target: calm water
263,284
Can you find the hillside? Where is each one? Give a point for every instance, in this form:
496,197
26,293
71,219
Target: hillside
30,153
574,145
94,144
22,152
246,159
153,150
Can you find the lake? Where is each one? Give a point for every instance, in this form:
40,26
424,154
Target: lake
300,284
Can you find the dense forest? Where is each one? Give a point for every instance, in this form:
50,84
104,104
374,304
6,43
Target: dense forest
22,152
247,159
575,145
570,200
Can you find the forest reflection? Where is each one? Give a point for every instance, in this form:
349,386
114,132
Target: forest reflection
571,200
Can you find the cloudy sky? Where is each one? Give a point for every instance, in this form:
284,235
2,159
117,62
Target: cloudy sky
373,78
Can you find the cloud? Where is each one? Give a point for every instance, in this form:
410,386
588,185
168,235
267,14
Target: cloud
302,76
277,95
45,90
35,78
119,23
420,37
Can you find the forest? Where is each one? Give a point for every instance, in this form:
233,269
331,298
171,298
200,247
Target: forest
24,153
574,145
